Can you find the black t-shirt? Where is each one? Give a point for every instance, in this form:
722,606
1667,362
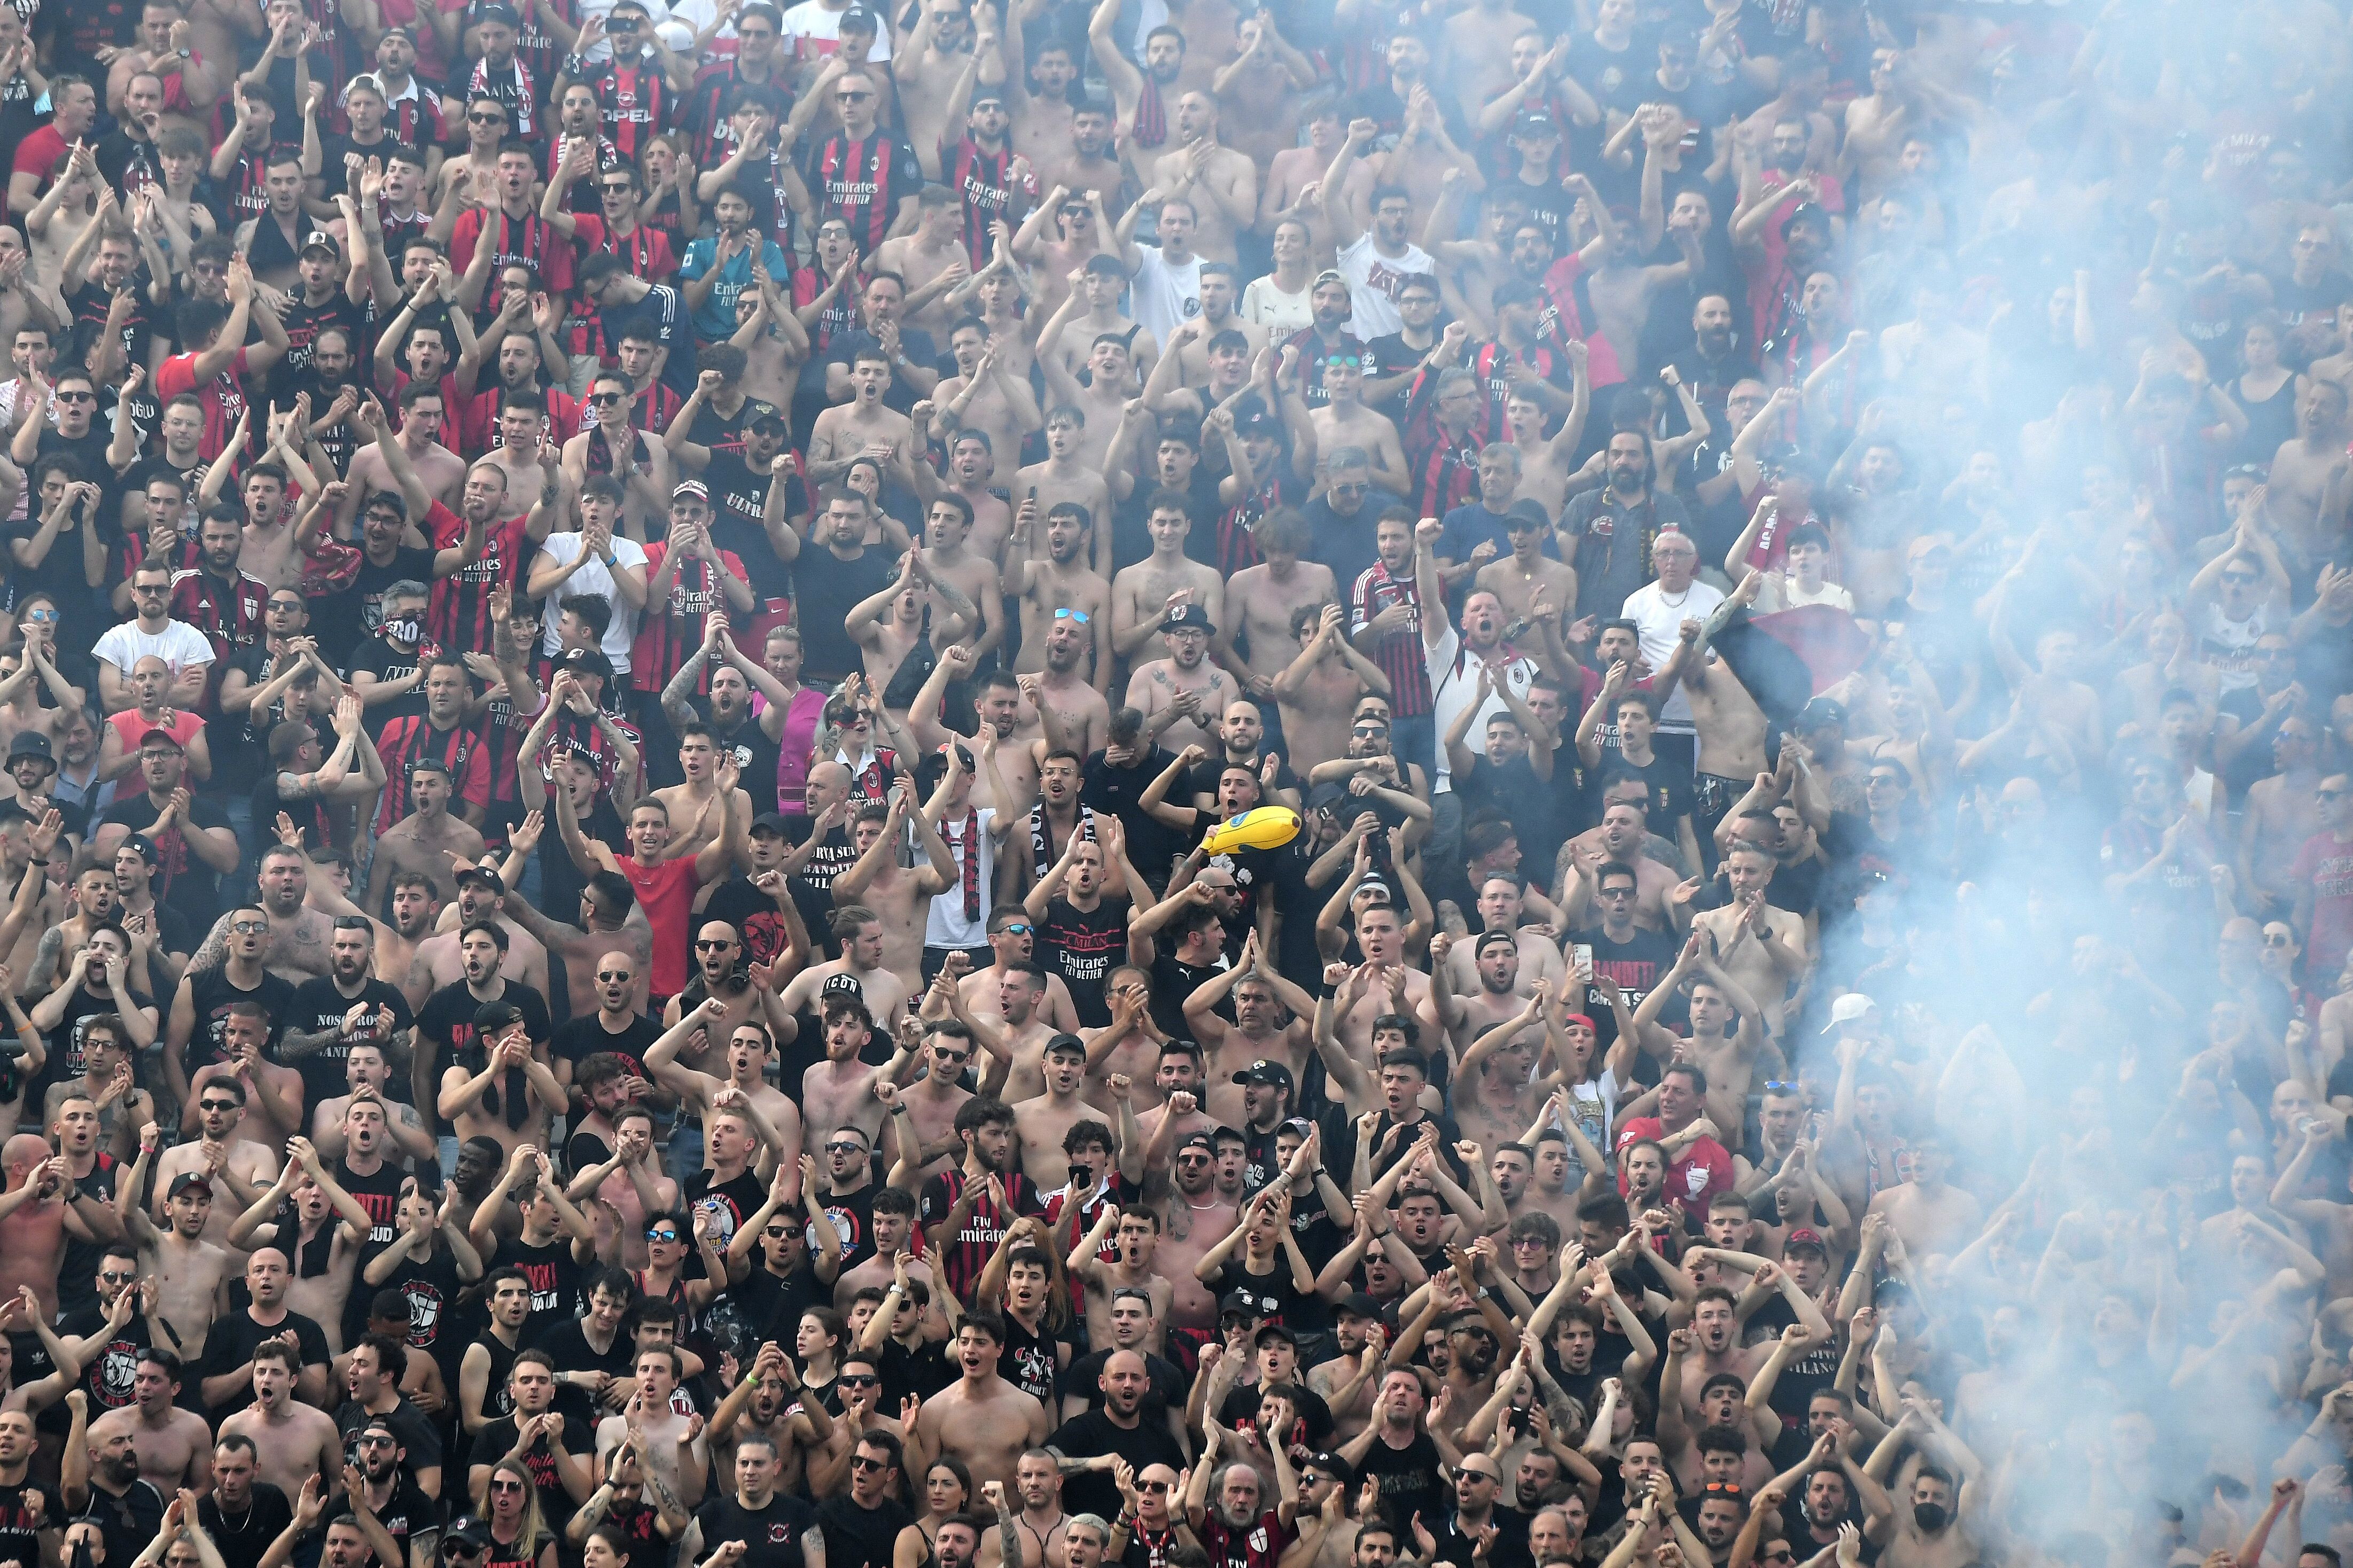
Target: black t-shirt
1103,787
408,1516
182,882
921,1372
1030,1362
418,1434
446,1022
19,1537
432,1288
234,1338
1408,1477
341,621
750,909
1174,980
581,1037
1241,1409
859,1537
821,577
567,1345
127,1522
1083,946
1169,1384
113,1365
1277,1294
1635,964
1086,1437
379,660
244,1542
211,992
497,1440
319,1005
772,1535
554,1275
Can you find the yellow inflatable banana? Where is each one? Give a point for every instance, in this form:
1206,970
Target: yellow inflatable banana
1261,828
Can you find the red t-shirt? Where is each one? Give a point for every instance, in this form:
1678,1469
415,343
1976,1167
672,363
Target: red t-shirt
1704,1169
38,153
223,397
2326,867
667,891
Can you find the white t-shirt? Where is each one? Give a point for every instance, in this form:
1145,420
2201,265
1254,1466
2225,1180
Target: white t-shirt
594,579
1167,295
1280,313
1454,682
1780,591
946,925
1659,625
178,644
1374,282
814,30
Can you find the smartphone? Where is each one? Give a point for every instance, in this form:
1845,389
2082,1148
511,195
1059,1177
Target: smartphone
1581,953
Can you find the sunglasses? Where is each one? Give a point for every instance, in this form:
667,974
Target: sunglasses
145,589
1780,1086
619,977
661,1235
865,1464
858,1380
248,927
478,118
1152,1486
853,97
42,615
707,945
506,1486
1078,616
844,1146
1013,928
378,1440
604,399
115,1277
781,1233
218,1105
75,396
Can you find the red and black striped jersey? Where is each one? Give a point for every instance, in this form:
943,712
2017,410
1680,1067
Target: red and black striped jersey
645,251
635,101
226,610
962,1256
1445,471
703,111
460,614
669,634
863,183
841,316
530,240
1400,654
576,732
411,737
1540,360
986,182
502,731
1237,542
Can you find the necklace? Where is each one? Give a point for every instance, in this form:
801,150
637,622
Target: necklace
1675,603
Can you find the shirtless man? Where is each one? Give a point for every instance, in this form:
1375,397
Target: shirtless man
928,1105
698,760
841,1090
1262,599
1317,691
609,926
2308,473
1043,1121
1195,1220
860,427
296,946
440,470
440,960
931,259
1175,693
320,1206
1775,955
2283,811
744,1087
1530,585
1343,422
238,1160
1931,1215
1546,465
860,931
1073,340
982,994
175,1446
1219,182
292,1441
981,1418
188,1267
428,840
1065,605
983,399
1067,479
336,1123
899,896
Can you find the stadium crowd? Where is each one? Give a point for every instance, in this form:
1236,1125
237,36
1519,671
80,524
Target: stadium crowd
626,623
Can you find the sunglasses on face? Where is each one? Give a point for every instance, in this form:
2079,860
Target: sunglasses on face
478,118
216,1105
858,1380
506,1486
708,945
248,927
75,396
864,1464
781,1233
854,97
948,1056
661,1235
113,1277
618,976
1152,1486
604,399
1014,928
845,1147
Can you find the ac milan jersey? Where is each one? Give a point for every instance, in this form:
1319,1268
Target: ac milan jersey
966,1254
669,634
228,611
409,738
986,182
460,614
863,183
644,250
223,397
635,101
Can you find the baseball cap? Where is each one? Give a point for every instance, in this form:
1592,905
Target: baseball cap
771,822
587,661
1333,1465
492,1016
861,18
843,985
144,847
1329,275
185,1179
1274,1331
1260,1071
1198,1141
1821,711
981,95
1526,511
1491,938
1534,119
765,420
1804,1238
490,880
690,487
1929,544
1194,615
163,735
320,240
1068,1042
1248,1304
471,1531
1357,1304
1848,1008
501,14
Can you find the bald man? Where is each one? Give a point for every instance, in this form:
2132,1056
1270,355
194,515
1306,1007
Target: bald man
227,1383
35,1218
